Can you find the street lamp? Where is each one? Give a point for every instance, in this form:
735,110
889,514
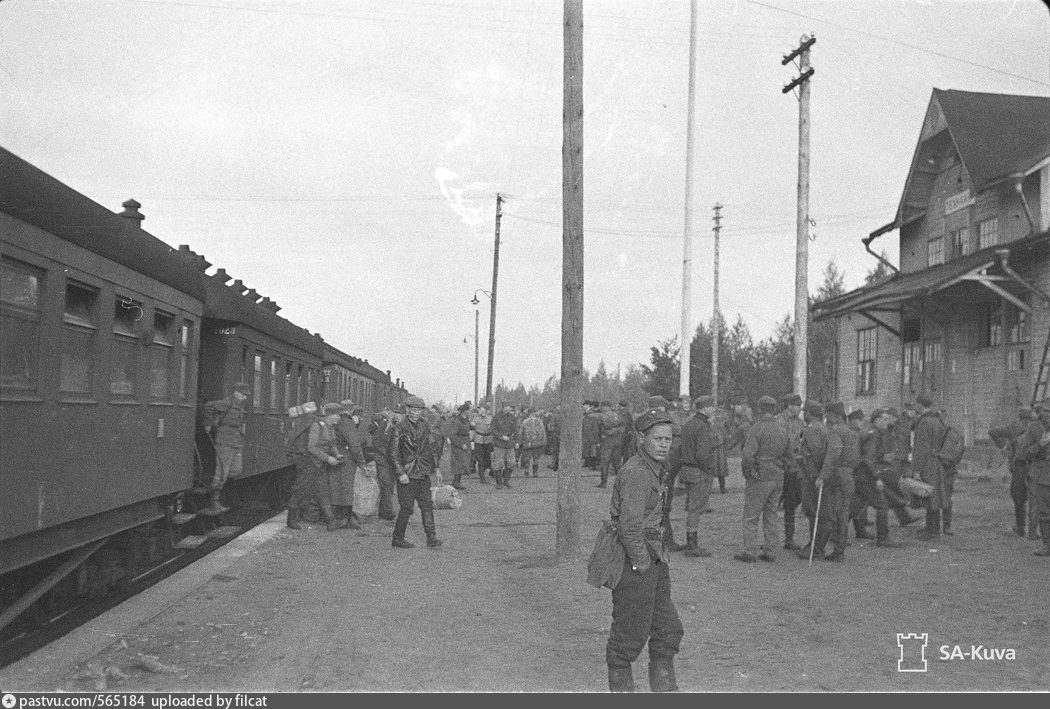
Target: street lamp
492,344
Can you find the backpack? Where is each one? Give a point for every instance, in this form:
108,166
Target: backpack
953,445
533,432
298,437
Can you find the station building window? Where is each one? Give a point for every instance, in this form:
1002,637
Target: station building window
867,340
988,233
20,292
959,242
127,313
935,251
79,326
161,354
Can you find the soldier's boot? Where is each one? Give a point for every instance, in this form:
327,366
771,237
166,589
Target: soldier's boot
498,474
430,529
661,675
933,526
1033,520
481,477
946,519
621,679
293,518
822,539
456,482
398,539
789,534
1020,517
351,518
331,521
722,485
859,528
692,546
506,477
535,470
669,543
882,529
605,478
903,516
214,506
1044,529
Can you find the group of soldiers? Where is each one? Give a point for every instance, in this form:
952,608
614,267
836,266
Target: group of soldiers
1026,443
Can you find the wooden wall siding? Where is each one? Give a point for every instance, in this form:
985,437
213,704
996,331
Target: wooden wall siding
887,367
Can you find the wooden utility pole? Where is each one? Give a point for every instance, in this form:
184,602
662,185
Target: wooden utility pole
687,242
492,304
569,515
716,325
802,217
476,356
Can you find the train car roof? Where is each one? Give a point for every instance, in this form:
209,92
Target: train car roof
31,195
224,302
333,355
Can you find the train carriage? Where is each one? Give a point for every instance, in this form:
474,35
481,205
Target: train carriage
100,327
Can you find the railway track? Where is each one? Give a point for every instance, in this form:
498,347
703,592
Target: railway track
98,586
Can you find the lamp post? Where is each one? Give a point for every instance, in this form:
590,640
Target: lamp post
488,373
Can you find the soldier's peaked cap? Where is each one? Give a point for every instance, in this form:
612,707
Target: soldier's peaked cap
657,400
791,399
837,408
415,402
650,419
767,401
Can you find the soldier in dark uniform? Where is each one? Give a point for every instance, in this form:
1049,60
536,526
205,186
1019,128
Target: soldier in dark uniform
929,433
792,493
1036,447
458,434
592,434
554,437
697,456
324,460
1008,438
812,451
836,480
643,611
611,440
863,481
382,431
876,459
766,455
413,451
226,430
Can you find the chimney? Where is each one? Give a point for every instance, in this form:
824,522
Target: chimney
131,211
238,286
221,275
252,295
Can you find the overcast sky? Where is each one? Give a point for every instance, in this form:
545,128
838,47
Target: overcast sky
343,157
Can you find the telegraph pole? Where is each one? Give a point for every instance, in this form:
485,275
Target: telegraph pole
569,514
687,245
716,326
492,304
802,217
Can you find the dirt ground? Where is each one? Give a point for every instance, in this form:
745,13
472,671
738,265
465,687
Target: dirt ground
491,611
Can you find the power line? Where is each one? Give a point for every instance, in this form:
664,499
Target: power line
900,43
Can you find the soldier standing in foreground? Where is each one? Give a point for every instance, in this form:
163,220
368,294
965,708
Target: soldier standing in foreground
643,611
413,453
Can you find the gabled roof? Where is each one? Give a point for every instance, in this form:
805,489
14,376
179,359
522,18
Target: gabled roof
901,287
996,136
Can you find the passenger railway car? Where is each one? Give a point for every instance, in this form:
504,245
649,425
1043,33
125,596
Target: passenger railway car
110,343
98,368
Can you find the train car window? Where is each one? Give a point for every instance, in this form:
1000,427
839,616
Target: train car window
288,385
161,353
275,384
257,380
127,314
20,294
186,340
244,365
79,325
309,383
